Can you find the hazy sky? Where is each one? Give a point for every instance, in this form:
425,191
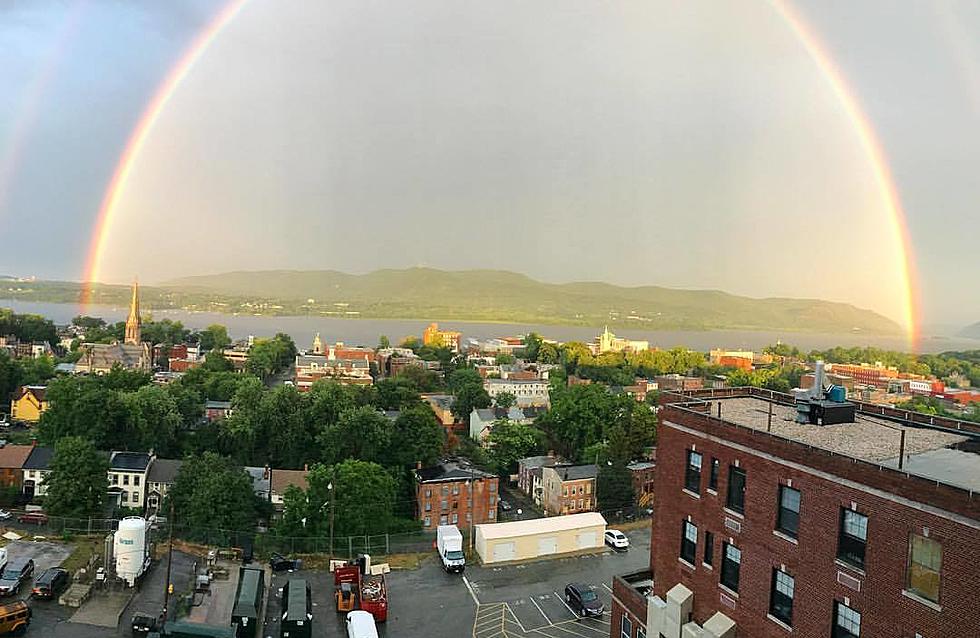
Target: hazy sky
681,144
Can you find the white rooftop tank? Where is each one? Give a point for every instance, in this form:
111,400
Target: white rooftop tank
129,548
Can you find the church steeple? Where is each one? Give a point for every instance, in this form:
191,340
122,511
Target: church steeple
317,344
133,322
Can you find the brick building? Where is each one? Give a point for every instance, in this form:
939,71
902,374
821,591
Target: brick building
568,489
786,528
455,493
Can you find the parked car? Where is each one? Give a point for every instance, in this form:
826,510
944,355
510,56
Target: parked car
14,618
34,518
143,624
14,574
50,583
5,515
280,563
616,539
505,506
583,600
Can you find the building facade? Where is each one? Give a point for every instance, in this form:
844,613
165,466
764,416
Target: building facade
455,494
432,336
765,525
128,473
568,489
28,403
528,392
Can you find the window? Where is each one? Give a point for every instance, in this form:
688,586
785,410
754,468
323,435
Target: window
136,497
847,622
588,488
455,518
731,562
428,507
736,489
689,541
428,493
125,479
455,488
626,627
781,596
443,519
713,475
925,559
114,479
445,505
125,497
853,537
428,522
692,478
641,633
788,517
564,491
709,549
136,480
493,513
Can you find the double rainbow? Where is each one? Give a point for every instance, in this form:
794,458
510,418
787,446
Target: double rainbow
845,96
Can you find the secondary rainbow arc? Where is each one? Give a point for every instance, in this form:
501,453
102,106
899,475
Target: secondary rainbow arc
855,115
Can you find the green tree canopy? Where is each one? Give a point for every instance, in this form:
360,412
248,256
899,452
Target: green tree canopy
614,487
211,492
77,483
214,337
509,442
505,400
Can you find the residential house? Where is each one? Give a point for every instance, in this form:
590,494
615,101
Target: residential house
442,406
163,473
525,473
260,481
216,410
282,479
677,382
28,403
128,473
527,391
455,493
482,420
568,489
312,367
35,469
12,459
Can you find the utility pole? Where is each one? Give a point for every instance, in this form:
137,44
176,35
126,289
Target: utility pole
330,489
472,510
170,558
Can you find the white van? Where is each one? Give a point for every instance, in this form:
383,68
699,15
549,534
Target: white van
360,624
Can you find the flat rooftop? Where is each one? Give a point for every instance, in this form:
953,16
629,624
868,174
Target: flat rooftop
869,438
954,467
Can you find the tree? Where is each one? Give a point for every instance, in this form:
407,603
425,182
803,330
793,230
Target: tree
532,345
11,375
614,487
86,407
214,337
267,357
416,437
548,353
505,400
510,442
361,433
504,358
77,483
468,398
154,419
363,498
209,493
383,342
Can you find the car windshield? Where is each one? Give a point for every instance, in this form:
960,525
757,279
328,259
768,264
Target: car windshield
588,596
454,555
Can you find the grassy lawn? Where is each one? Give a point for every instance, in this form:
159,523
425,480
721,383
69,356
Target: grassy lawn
85,547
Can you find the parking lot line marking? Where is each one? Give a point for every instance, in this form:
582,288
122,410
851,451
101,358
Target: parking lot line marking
565,603
567,630
469,588
538,607
516,619
603,631
608,588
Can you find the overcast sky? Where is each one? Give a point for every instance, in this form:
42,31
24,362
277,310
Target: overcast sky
680,144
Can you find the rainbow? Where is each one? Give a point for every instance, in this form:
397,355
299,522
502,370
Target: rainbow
876,155
846,97
137,139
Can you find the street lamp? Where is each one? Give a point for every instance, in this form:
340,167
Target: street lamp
330,489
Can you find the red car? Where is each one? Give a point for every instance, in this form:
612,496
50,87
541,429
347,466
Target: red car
36,518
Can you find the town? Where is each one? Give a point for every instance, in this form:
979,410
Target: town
153,476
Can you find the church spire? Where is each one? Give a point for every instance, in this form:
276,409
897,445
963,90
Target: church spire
133,322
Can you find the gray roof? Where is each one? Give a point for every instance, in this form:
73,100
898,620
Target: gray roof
450,471
577,472
636,466
260,481
39,458
217,405
164,470
538,461
129,461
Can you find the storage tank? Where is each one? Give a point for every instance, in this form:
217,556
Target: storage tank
130,548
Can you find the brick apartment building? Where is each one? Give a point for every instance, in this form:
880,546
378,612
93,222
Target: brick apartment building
797,529
454,493
568,489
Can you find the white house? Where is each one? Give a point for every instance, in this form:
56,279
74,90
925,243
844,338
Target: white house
527,391
128,472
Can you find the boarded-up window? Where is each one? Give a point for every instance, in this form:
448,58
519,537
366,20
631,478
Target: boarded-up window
925,560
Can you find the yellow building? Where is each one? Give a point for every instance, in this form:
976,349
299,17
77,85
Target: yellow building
28,403
540,537
432,336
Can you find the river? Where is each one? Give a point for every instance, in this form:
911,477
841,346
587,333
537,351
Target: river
366,331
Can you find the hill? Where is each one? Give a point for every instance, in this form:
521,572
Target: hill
490,295
970,332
